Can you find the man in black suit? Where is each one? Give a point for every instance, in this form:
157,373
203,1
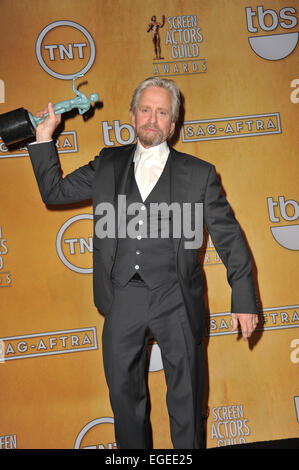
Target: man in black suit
147,284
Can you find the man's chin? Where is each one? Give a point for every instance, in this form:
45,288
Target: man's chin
150,141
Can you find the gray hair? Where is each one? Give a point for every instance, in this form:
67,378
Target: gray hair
163,83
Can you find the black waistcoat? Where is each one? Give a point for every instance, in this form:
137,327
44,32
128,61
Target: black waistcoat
151,252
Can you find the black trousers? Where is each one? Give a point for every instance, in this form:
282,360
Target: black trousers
136,313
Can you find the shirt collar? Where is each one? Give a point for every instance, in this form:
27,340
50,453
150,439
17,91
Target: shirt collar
160,151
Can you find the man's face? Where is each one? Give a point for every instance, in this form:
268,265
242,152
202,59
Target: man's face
153,117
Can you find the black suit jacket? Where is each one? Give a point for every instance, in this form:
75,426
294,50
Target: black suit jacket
192,180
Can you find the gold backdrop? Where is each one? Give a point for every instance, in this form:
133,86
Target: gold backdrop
236,63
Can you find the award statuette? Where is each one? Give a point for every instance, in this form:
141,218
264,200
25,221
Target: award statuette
19,125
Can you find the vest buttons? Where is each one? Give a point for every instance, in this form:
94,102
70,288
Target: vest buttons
138,252
136,266
138,237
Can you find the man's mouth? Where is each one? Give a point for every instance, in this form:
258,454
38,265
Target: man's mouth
151,129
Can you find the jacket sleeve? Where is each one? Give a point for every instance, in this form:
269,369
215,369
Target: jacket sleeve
53,187
231,246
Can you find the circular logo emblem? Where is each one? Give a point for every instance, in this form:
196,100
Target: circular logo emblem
74,243
64,48
274,46
287,236
93,437
155,363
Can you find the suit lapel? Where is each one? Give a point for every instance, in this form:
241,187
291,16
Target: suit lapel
122,165
180,175
121,169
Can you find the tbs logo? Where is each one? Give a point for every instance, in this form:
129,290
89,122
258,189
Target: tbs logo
272,46
288,210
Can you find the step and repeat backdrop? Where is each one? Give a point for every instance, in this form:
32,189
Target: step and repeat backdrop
236,63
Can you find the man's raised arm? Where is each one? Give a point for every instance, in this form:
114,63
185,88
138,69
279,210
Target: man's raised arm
54,189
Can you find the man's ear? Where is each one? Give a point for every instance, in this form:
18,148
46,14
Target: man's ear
172,129
133,120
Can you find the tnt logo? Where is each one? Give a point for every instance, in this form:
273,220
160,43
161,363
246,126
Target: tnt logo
64,48
288,210
272,46
74,243
97,434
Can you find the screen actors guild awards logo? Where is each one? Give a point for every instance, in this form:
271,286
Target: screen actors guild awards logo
154,26
176,46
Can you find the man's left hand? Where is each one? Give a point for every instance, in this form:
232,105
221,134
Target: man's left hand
248,322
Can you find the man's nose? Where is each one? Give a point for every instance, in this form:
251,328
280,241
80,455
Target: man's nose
153,118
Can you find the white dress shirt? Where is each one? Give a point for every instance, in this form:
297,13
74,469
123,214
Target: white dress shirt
149,164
